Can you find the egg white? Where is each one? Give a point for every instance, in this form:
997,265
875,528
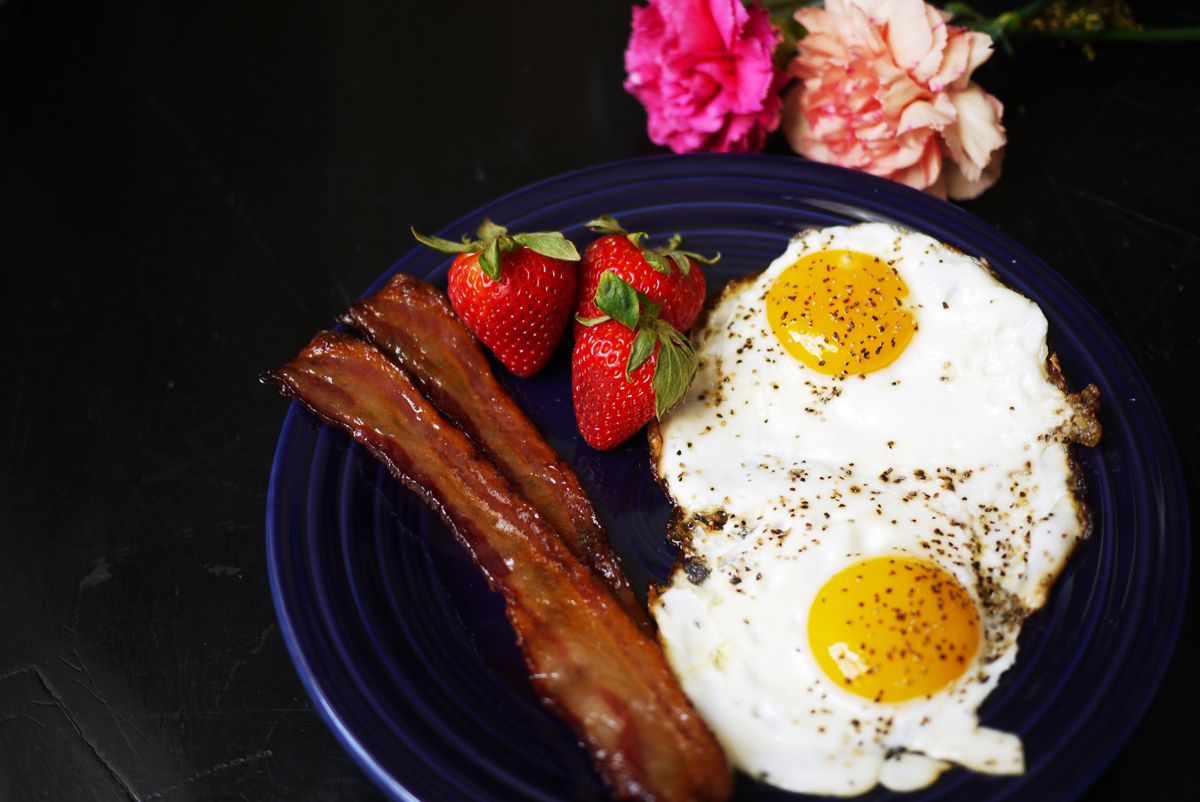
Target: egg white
783,476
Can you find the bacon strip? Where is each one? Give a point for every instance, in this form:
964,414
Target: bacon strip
412,322
588,661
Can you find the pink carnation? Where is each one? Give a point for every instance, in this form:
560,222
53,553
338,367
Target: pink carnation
703,70
886,88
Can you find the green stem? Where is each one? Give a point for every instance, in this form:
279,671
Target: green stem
1004,24
1151,35
1029,11
964,10
1010,23
787,7
776,5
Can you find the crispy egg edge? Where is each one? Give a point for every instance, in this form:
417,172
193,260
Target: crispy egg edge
1083,428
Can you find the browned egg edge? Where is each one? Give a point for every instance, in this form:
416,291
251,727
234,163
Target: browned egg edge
1081,429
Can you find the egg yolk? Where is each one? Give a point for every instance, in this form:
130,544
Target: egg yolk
841,312
893,628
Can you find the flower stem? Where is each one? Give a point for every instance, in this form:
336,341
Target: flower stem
964,10
1118,35
788,7
1011,23
1000,26
1029,11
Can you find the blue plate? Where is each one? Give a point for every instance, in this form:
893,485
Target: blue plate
409,658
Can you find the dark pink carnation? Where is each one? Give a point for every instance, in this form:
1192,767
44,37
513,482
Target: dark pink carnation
703,70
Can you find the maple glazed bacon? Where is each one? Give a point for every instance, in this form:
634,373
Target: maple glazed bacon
413,323
586,658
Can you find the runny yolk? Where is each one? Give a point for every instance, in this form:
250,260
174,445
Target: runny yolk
841,312
893,628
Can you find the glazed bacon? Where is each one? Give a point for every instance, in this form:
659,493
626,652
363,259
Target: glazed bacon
412,322
587,659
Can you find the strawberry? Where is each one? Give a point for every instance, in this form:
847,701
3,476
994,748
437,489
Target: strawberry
667,276
629,365
513,291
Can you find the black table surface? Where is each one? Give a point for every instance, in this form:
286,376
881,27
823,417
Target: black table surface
189,190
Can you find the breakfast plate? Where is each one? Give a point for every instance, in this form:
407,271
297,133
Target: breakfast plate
410,660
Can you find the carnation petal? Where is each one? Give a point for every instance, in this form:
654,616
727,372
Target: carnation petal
898,94
981,51
977,132
881,130
828,126
954,63
754,75
728,18
800,136
933,59
817,21
876,10
959,187
645,44
817,49
858,28
924,173
735,136
692,25
923,114
909,32
905,151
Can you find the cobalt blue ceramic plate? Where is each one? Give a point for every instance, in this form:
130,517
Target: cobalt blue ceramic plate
409,657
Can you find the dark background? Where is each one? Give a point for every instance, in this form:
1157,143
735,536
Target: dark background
189,190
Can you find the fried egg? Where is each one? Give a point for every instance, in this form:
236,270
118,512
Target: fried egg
874,489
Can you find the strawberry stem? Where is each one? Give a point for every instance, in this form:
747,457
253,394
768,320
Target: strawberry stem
605,224
549,243
444,245
488,230
489,259
493,240
657,258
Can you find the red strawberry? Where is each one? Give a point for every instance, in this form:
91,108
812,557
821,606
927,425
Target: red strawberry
513,291
609,407
628,365
668,276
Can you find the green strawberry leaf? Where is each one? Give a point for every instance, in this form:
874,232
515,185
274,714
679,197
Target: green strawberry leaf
605,224
704,260
549,243
591,321
657,261
489,230
445,245
506,243
489,260
677,365
640,351
681,261
660,259
649,309
618,300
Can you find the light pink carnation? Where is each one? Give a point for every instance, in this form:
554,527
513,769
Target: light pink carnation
886,88
703,70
